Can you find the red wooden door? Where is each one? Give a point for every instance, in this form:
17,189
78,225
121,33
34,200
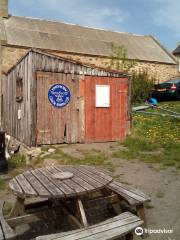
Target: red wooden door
106,123
57,125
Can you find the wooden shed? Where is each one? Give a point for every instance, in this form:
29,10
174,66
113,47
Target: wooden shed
47,99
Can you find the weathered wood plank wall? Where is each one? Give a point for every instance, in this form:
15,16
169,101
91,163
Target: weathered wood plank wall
18,128
57,125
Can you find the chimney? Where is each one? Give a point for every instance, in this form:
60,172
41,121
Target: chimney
3,8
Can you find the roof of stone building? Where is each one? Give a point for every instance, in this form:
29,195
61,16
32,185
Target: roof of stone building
58,36
177,50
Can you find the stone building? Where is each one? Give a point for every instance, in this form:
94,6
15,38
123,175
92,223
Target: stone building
176,53
85,44
88,45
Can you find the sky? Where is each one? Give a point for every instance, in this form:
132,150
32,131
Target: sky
160,18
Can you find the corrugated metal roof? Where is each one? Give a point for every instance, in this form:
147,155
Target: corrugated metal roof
36,33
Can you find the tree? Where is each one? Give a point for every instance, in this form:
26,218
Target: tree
142,83
119,59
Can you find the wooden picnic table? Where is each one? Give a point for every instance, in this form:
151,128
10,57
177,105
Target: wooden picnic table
44,182
58,183
75,191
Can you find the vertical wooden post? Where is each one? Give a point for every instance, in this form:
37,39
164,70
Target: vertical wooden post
81,109
129,104
141,214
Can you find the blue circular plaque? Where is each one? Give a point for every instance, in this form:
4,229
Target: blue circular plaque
59,95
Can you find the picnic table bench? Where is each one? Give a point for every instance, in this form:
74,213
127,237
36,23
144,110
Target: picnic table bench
134,197
119,226
6,232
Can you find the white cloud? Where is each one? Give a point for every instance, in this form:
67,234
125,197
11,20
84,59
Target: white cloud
168,15
89,13
97,17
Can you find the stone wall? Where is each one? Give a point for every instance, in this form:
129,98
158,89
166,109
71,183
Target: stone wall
10,56
159,71
4,8
178,60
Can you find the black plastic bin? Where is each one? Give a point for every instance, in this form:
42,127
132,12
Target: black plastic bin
3,161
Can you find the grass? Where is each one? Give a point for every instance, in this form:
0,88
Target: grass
158,129
2,184
17,161
17,164
140,144
155,139
93,157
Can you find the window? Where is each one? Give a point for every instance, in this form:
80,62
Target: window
19,89
103,96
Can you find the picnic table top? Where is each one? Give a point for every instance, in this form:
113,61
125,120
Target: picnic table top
59,181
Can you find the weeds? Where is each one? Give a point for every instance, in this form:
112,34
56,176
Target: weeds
140,144
17,161
93,157
155,139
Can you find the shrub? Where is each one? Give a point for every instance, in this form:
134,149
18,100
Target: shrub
142,86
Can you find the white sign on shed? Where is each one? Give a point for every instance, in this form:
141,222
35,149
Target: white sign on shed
102,96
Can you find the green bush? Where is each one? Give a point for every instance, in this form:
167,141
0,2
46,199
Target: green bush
142,86
17,160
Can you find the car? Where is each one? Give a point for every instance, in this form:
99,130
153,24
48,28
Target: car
167,90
